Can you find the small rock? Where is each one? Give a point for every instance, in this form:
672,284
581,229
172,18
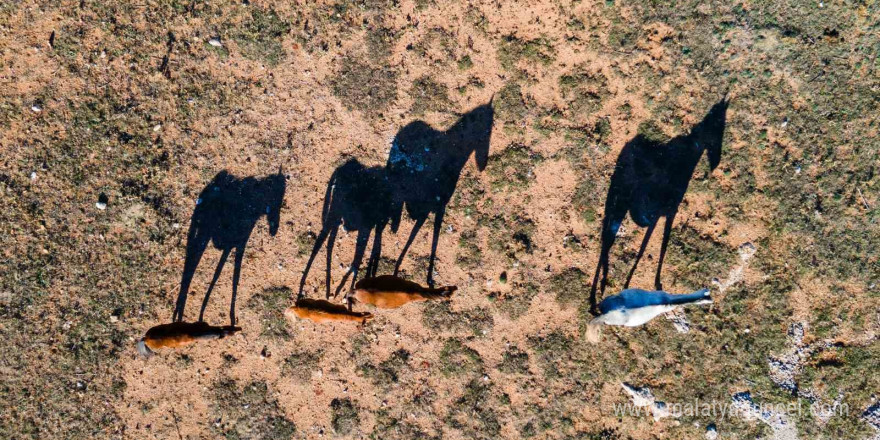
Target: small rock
36,108
872,416
102,201
711,432
33,175
215,42
157,127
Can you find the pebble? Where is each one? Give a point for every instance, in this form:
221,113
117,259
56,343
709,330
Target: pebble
101,205
33,175
711,432
215,42
36,108
157,127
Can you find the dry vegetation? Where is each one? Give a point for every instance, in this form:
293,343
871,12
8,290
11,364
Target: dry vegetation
134,106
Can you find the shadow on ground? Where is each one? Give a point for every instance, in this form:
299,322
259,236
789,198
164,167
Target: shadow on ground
420,176
226,213
649,181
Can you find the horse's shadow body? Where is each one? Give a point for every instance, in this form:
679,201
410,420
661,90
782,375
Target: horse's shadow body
425,165
226,213
649,181
421,175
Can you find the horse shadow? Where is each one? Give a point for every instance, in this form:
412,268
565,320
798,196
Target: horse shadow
359,198
421,174
424,167
649,181
226,212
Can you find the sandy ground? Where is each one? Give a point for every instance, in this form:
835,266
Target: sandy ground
288,116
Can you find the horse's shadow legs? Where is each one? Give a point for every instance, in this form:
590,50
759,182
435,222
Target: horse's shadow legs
217,271
601,267
438,225
327,232
639,255
667,230
331,242
376,253
363,238
412,236
195,249
236,276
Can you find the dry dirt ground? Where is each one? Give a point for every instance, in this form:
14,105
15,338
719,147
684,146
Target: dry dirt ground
114,116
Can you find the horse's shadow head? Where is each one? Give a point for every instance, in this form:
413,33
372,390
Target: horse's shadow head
418,146
709,133
473,132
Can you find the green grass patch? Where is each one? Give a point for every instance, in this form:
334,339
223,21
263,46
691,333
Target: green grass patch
457,359
512,168
270,304
470,255
248,411
261,36
513,50
345,417
387,373
300,364
363,86
439,316
429,95
474,413
516,303
514,361
571,287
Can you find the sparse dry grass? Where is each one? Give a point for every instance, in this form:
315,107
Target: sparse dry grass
131,105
